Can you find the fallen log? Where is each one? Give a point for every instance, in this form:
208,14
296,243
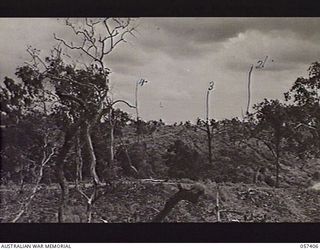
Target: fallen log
190,194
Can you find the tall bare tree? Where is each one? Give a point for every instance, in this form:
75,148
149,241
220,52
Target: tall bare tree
207,125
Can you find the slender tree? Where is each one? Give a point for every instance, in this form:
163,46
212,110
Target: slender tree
208,130
249,89
141,82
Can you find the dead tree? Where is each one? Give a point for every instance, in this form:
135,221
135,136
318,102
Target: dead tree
141,82
209,134
207,124
249,90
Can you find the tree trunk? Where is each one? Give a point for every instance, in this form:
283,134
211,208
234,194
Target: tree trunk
217,208
60,173
112,125
79,161
208,128
92,157
209,143
249,90
89,213
91,202
137,113
277,169
61,158
256,175
111,146
277,159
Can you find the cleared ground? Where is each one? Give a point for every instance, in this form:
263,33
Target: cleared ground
135,201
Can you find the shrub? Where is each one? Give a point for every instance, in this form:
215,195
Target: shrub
183,161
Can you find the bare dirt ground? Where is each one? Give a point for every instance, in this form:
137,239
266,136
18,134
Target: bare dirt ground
132,201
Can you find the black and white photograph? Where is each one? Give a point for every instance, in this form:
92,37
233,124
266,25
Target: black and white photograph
160,120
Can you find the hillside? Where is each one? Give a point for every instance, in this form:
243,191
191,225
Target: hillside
129,199
231,163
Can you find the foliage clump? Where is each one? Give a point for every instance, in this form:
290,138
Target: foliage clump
183,161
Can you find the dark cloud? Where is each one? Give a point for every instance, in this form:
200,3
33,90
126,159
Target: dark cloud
220,29
284,50
191,37
169,37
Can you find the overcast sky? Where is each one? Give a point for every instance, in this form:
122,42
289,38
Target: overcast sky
180,56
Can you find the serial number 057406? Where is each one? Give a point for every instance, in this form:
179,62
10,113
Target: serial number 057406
309,245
